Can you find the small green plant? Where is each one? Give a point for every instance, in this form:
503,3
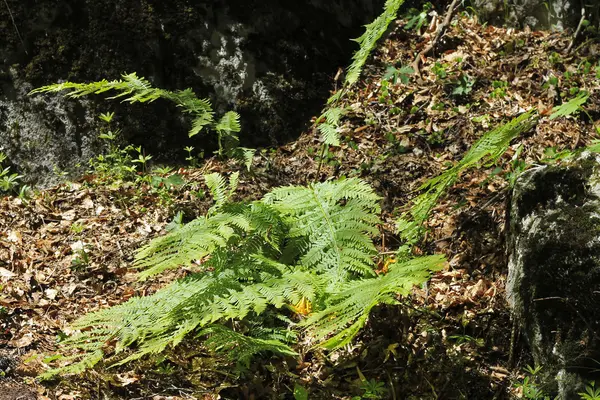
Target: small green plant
417,18
77,227
192,159
142,159
555,58
402,74
117,163
25,193
591,392
530,386
499,91
372,388
553,155
81,258
463,86
517,166
9,181
300,393
440,70
384,92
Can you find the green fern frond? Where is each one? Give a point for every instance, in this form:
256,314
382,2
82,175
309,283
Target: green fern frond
487,149
193,241
330,128
246,155
220,191
570,107
367,40
239,347
131,88
230,122
134,89
349,309
332,222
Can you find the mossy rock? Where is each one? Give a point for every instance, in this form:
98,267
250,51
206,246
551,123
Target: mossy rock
554,269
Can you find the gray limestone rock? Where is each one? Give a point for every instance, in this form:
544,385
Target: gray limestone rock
537,14
553,282
270,60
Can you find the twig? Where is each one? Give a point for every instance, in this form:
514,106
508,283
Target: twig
577,30
438,35
15,25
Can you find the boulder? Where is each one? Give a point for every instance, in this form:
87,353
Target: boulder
270,60
537,14
553,284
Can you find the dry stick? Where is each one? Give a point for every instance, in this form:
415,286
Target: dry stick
577,30
15,25
438,35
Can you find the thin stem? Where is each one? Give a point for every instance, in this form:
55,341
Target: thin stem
15,25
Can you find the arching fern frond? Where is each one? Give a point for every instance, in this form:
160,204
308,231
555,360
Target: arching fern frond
487,149
367,40
349,308
134,89
193,241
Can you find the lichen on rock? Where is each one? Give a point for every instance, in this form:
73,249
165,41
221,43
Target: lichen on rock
554,269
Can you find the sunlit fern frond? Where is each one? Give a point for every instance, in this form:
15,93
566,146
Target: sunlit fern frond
134,89
330,127
349,308
330,225
571,106
487,149
130,88
220,190
368,40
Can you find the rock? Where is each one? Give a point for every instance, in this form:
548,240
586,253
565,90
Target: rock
270,60
537,14
554,269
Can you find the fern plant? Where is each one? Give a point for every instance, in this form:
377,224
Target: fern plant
304,250
134,89
486,150
369,39
330,119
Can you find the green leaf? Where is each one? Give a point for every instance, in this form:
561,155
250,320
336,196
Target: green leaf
300,393
570,107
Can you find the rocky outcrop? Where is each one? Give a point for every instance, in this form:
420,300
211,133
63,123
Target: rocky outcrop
554,269
537,14
270,60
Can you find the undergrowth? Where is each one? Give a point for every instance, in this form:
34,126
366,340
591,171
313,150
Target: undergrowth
302,254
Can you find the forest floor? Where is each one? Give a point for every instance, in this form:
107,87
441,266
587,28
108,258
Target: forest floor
68,250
